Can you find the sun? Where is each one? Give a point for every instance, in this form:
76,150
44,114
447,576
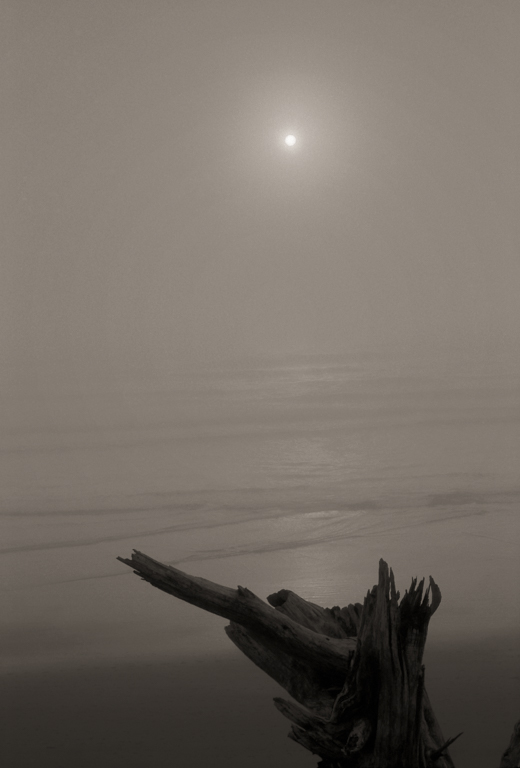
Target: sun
290,140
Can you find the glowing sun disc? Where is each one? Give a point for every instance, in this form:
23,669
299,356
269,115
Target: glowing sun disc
290,140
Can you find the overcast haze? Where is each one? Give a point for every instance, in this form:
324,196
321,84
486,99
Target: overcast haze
152,210
271,365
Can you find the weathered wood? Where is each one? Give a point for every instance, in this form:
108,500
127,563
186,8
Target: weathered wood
333,622
511,757
384,689
436,754
315,689
432,737
356,672
245,608
387,669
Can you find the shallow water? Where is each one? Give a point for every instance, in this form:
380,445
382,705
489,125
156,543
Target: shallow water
270,473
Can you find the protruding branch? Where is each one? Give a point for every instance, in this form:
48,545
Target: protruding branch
310,686
434,756
243,607
432,736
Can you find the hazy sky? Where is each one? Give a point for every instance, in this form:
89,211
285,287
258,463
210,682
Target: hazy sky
153,213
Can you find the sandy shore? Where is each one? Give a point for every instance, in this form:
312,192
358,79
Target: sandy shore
208,713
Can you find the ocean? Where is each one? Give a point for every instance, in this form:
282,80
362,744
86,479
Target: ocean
270,472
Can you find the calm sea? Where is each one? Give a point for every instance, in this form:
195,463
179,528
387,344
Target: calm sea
272,473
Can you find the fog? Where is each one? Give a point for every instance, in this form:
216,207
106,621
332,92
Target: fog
152,213
270,365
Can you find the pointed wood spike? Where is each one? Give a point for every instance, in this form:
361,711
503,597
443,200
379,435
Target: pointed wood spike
418,595
436,596
440,752
384,577
394,594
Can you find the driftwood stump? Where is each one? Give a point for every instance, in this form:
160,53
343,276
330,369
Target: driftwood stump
356,673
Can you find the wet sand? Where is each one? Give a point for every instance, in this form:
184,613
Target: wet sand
191,714
213,712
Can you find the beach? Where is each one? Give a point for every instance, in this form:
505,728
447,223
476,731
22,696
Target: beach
218,711
271,476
